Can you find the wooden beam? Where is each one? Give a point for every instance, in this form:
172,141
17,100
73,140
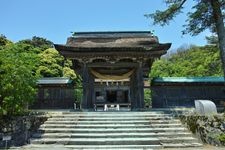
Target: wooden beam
113,71
114,65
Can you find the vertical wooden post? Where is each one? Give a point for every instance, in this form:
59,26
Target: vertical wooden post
91,99
132,92
140,86
85,86
137,89
88,88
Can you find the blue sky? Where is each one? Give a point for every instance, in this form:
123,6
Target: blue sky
55,19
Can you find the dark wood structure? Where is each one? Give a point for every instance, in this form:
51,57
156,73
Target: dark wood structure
113,64
55,93
181,92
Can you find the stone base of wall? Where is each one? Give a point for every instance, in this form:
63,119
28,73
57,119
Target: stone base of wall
210,129
19,128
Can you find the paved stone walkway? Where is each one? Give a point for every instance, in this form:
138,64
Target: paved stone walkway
205,147
57,147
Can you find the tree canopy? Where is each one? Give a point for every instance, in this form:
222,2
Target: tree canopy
4,41
21,64
38,42
205,14
52,64
18,79
195,61
200,19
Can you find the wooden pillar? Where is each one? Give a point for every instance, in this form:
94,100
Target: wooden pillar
137,89
132,92
88,88
92,91
140,87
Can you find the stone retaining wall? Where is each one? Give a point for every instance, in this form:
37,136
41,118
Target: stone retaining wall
210,129
19,128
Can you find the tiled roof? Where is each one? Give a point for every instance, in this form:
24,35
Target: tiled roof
54,80
187,79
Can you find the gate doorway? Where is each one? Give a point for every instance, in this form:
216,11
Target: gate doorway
117,96
111,96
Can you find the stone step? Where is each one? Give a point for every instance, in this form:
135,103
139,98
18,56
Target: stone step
109,119
110,147
109,125
97,141
84,147
110,115
176,140
113,130
111,135
117,122
181,145
136,147
109,130
116,141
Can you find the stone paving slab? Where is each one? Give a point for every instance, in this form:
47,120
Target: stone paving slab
205,147
61,147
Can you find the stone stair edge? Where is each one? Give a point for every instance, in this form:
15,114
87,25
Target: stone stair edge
71,128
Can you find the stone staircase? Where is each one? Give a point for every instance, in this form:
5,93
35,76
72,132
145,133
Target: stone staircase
113,130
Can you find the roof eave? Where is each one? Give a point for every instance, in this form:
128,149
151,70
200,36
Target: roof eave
164,46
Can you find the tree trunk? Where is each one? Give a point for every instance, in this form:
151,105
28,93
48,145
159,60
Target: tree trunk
218,17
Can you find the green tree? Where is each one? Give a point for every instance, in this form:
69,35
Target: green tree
207,14
68,72
38,42
52,64
18,79
196,61
4,41
21,64
212,40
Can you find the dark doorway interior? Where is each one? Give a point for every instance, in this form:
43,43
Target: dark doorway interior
111,96
117,96
126,96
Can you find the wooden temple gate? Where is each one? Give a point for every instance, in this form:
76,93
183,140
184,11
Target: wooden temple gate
108,61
